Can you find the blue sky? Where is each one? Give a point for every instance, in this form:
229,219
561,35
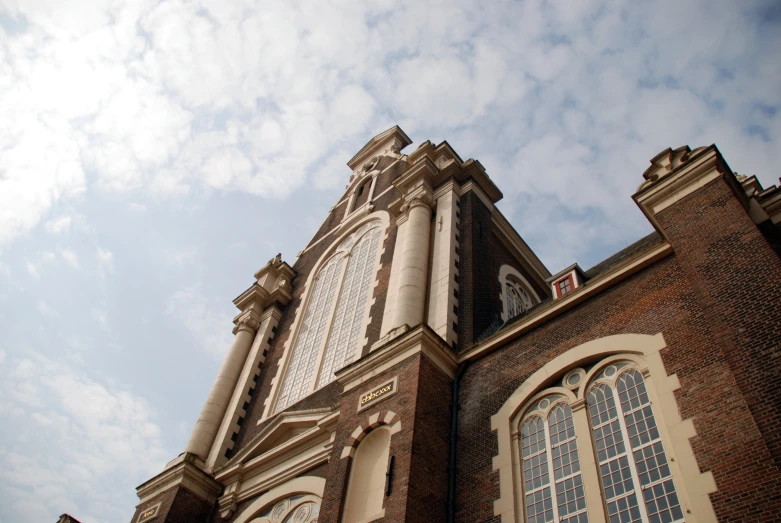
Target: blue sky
153,155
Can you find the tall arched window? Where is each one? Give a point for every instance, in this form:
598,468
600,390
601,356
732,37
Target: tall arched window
550,458
635,478
330,332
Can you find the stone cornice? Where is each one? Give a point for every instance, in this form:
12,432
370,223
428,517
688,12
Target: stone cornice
397,346
546,313
183,471
247,478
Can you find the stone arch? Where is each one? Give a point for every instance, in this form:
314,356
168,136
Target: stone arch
385,417
661,388
301,485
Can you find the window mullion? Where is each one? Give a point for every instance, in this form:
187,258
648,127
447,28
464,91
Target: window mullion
630,458
589,467
329,328
551,474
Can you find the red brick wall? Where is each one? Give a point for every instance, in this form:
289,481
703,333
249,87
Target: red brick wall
179,505
718,313
736,277
403,404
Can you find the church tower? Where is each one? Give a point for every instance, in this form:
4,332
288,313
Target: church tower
417,362
357,340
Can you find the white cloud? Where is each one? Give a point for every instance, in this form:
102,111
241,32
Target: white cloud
84,441
211,329
70,257
44,259
105,261
58,225
100,317
46,310
137,207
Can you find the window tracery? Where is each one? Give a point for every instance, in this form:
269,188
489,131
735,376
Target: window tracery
636,482
329,336
518,300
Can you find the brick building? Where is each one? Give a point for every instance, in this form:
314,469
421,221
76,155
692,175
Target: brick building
417,362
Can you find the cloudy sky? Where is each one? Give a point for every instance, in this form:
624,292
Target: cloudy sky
150,153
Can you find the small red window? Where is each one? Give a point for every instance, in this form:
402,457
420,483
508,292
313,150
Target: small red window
564,286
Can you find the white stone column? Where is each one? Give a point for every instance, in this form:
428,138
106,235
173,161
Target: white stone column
209,421
410,303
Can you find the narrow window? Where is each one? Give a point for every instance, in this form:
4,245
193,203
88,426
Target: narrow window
366,489
550,456
637,484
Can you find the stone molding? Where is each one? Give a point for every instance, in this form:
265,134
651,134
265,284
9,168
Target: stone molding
184,471
249,321
302,485
397,346
693,487
378,419
241,393
246,475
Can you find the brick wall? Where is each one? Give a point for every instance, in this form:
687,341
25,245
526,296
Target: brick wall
736,277
179,505
721,328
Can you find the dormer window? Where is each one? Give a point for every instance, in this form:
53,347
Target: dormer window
567,280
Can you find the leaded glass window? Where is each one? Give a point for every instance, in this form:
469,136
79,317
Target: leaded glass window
553,485
517,298
637,483
330,333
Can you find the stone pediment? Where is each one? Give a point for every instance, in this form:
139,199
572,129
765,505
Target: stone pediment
288,446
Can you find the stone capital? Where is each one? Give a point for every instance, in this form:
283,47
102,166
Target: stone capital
249,321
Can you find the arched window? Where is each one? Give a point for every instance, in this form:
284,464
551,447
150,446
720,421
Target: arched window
366,489
550,458
635,477
637,484
329,335
295,509
518,300
517,295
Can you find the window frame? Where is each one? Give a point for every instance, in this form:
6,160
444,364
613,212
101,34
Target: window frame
693,487
576,396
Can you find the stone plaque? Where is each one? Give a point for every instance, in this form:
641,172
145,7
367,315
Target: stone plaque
377,394
149,514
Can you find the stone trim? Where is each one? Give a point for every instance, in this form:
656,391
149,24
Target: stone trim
245,478
302,485
589,289
399,345
384,417
185,472
241,394
694,487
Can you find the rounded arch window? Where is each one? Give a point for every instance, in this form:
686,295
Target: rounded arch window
636,483
295,509
330,333
517,299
